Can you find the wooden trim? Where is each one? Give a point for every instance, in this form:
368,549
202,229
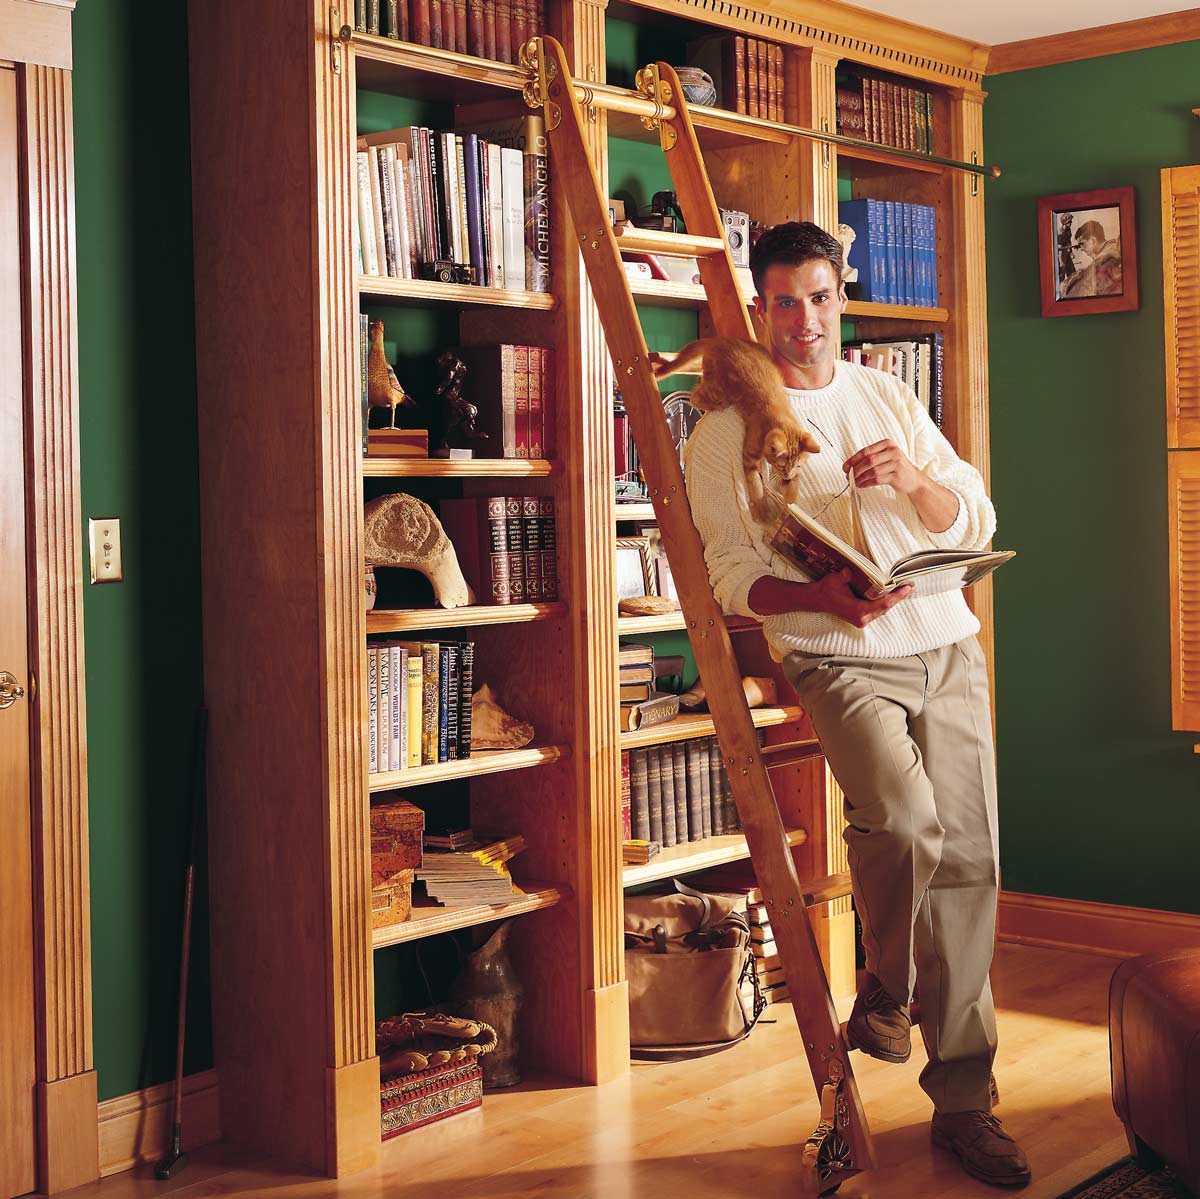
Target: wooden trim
36,32
1163,30
1113,930
58,726
135,1128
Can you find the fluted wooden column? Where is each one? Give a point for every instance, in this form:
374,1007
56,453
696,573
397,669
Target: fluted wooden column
66,1086
593,588
967,415
352,1072
812,102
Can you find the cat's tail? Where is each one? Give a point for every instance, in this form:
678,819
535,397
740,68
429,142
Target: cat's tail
682,362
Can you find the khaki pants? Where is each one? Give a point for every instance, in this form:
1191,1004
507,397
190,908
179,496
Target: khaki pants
910,742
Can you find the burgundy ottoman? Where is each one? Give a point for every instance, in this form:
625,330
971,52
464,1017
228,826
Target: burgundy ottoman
1154,1039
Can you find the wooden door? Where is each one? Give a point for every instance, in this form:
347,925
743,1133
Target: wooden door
17,1149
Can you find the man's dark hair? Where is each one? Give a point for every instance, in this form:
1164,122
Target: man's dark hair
793,244
1089,229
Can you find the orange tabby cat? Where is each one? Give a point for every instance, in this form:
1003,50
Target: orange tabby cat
742,375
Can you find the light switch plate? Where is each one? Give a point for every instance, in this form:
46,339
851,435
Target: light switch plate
104,541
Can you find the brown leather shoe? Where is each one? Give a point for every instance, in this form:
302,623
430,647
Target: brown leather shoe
986,1151
878,1025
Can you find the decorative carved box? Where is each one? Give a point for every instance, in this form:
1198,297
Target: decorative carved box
396,832
410,1100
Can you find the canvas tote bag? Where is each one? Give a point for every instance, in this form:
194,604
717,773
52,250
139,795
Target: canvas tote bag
687,955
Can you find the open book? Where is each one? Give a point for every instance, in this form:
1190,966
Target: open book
806,543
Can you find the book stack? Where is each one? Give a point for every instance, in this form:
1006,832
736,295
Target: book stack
457,206
513,389
418,703
680,793
638,853
918,361
494,29
894,251
747,72
886,110
641,705
447,837
506,546
477,873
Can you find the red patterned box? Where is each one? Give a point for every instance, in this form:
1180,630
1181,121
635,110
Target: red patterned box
409,1101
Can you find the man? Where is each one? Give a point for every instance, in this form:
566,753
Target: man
1102,276
896,687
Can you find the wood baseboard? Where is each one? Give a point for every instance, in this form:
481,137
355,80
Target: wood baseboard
1103,928
136,1128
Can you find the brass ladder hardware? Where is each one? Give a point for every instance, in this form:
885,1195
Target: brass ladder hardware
10,690
842,1142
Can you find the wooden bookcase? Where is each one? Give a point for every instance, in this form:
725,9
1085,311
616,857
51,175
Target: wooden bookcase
276,107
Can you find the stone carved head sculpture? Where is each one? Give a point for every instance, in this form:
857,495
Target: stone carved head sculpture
400,530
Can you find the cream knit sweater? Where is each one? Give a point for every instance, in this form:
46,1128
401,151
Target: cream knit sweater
861,406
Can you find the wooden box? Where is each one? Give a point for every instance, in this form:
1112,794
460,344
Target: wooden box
408,1101
396,831
391,900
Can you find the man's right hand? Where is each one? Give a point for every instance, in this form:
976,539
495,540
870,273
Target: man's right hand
833,595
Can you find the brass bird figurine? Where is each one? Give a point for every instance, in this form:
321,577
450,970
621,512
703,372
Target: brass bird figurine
383,388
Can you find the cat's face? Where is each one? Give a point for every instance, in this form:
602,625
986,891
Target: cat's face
786,452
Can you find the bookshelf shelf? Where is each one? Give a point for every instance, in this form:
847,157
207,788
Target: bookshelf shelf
424,291
667,294
487,761
383,64
415,619
428,919
689,727
896,312
697,855
881,156
472,468
629,626
717,129
635,512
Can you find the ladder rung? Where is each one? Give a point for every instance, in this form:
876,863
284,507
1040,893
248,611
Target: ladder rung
788,752
657,241
822,890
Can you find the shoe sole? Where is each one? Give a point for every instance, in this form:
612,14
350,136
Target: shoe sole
1014,1180
883,1055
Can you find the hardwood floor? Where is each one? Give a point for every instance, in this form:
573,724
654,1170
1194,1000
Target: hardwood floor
732,1125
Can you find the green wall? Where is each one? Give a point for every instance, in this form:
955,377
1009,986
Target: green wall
138,461
1099,799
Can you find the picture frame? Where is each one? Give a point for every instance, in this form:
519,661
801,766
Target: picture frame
1087,252
635,567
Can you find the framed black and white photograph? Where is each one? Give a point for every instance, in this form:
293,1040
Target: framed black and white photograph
1087,245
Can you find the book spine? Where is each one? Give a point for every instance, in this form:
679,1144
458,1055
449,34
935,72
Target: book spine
531,541
443,703
549,438
364,350
626,799
780,82
436,193
366,215
508,400
639,795
679,770
908,289
420,22
485,215
503,31
703,754
522,25
695,797
464,226
499,573
516,554
377,210
435,24
449,150
416,692
521,401
512,181
717,798
373,24
360,16
495,214
460,26
453,659
549,536
537,205
474,204
663,764
397,730
741,89
466,689
489,29
654,793
429,703
475,39
372,710
752,97
535,402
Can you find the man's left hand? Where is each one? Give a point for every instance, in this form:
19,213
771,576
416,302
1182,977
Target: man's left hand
884,463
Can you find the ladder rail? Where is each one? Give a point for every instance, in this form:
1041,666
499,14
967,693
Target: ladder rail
553,89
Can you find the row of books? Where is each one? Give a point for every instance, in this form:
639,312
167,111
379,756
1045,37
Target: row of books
418,703
747,73
507,546
471,874
678,793
885,110
894,250
457,206
512,387
495,29
918,361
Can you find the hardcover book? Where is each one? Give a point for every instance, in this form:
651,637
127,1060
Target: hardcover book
658,709
806,543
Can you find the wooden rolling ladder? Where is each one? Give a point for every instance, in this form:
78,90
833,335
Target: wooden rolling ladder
841,1144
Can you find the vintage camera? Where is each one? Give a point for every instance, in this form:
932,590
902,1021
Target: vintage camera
737,233
442,270
664,214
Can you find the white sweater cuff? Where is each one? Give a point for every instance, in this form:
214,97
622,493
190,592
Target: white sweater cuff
952,538
737,602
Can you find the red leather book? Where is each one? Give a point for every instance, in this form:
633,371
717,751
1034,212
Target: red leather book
504,47
460,26
435,24
420,22
489,29
475,41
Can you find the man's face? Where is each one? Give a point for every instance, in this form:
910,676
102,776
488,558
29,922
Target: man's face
1090,246
801,307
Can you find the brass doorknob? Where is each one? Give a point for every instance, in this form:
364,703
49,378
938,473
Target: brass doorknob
10,689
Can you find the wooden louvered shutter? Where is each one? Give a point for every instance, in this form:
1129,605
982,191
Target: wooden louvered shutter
1181,322
1181,304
